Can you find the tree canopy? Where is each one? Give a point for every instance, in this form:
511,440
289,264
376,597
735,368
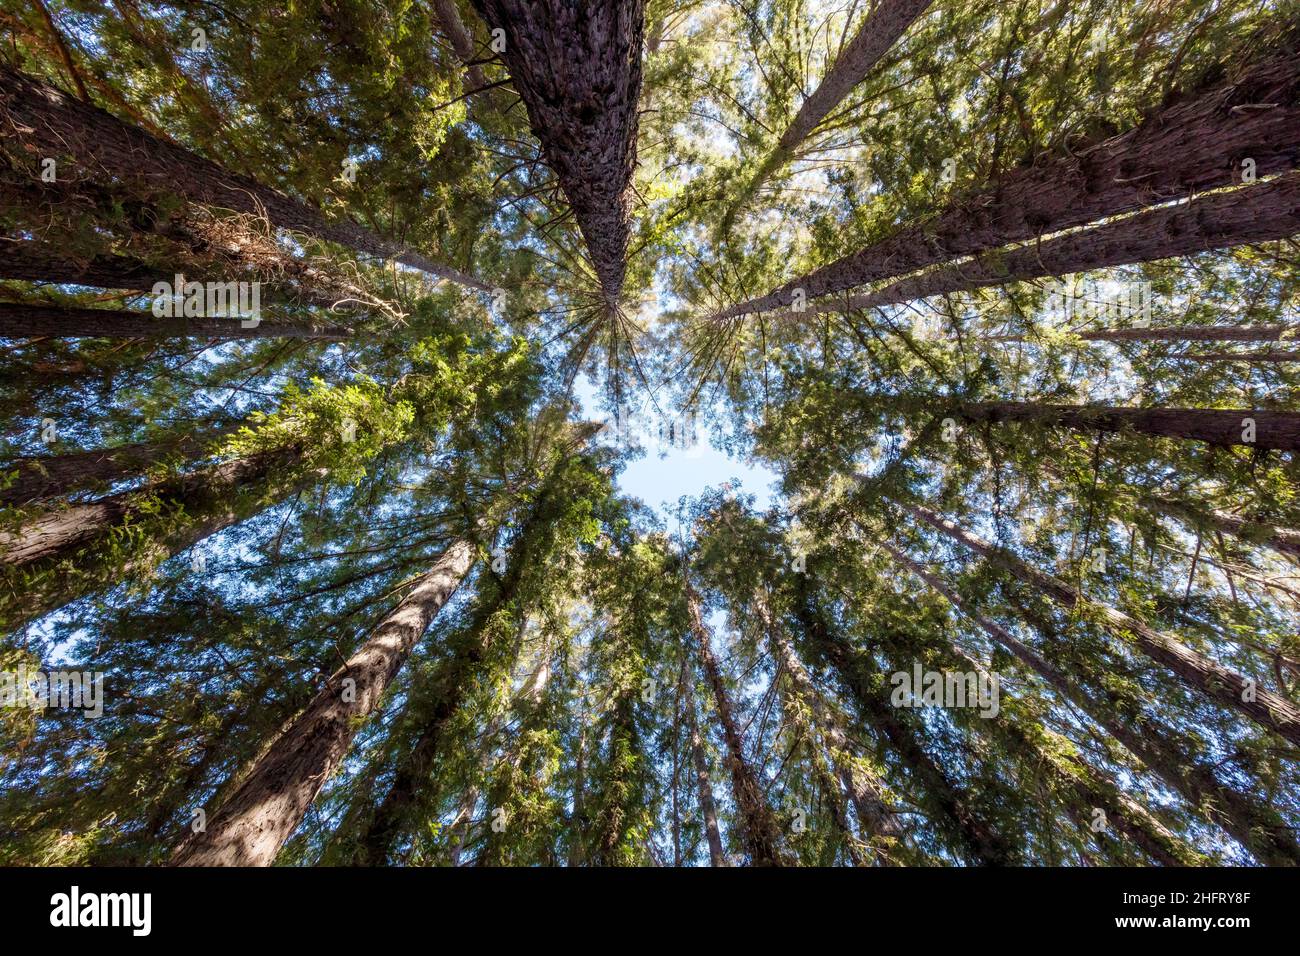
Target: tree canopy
329,329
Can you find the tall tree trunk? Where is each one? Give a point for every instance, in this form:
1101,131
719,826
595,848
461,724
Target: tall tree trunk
33,261
57,476
879,31
1216,682
1192,333
30,320
42,121
578,823
252,825
1082,785
1215,426
867,794
1255,826
759,834
1283,540
461,41
1251,214
610,826
577,68
1195,144
976,838
58,557
1255,358
705,789
447,691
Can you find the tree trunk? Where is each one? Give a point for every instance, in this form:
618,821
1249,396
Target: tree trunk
868,796
57,476
878,32
1195,144
42,121
55,558
759,833
577,68
1189,333
610,826
975,837
1255,826
461,41
252,825
578,823
1216,426
707,810
24,320
1284,540
1216,682
1251,214
1257,358
33,261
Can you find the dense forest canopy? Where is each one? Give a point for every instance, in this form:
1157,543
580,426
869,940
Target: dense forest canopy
313,549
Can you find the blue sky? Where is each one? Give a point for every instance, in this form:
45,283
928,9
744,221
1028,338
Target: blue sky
666,472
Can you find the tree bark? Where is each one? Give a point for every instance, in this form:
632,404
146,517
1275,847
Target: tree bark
1283,540
1251,214
33,261
879,31
461,41
705,789
758,826
55,558
1215,426
1255,826
1216,682
1195,144
43,121
577,68
868,796
972,834
57,476
253,824
1192,333
32,320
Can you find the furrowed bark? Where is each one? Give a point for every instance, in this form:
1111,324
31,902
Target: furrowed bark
56,476
705,789
1254,825
461,41
577,68
877,33
1218,683
1196,144
1251,214
253,824
33,320
34,261
55,558
43,121
972,835
1215,426
448,689
759,829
